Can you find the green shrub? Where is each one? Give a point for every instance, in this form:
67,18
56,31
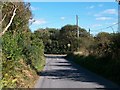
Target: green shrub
103,66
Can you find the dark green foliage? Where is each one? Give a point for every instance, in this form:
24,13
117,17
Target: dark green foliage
61,41
10,47
104,66
21,50
103,57
115,46
34,53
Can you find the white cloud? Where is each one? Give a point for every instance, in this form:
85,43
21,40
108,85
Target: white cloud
100,5
110,11
96,25
31,20
114,22
103,18
62,18
96,15
34,8
107,11
39,21
91,6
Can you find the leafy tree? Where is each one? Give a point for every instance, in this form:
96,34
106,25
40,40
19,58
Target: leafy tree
69,36
115,46
102,42
17,44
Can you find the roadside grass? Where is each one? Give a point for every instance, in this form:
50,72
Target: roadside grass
26,77
21,75
41,65
103,66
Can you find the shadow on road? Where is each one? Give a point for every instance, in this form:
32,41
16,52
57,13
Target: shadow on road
71,71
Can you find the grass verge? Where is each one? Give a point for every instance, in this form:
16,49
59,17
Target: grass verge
21,75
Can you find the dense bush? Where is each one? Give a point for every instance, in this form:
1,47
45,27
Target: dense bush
22,52
34,53
104,66
61,41
115,46
103,57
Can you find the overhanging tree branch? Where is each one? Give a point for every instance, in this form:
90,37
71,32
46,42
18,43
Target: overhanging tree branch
3,19
11,20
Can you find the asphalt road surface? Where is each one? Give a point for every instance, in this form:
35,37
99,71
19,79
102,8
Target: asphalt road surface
60,73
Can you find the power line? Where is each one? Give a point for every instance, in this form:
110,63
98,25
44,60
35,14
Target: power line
111,26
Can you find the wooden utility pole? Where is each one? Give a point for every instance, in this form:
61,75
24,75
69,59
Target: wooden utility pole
118,15
77,26
118,1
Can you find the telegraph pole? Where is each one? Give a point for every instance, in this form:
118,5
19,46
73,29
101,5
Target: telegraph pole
77,31
77,26
118,15
118,1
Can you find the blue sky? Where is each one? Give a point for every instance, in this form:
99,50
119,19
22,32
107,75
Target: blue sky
93,15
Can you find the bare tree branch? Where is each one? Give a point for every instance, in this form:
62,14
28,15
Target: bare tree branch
11,20
3,19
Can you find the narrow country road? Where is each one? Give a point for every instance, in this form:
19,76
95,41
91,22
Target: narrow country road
60,73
